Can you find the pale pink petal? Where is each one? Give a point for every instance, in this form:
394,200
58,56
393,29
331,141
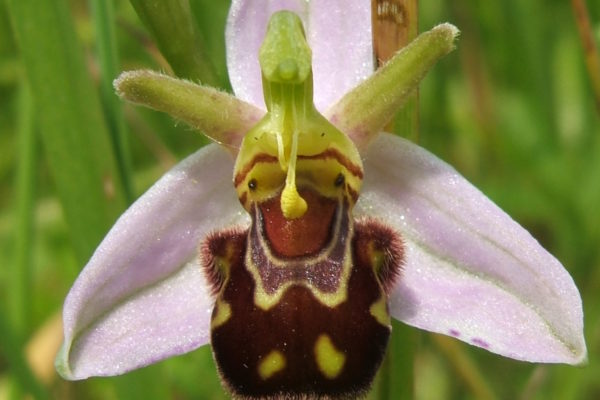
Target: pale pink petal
141,259
471,271
340,37
244,34
168,318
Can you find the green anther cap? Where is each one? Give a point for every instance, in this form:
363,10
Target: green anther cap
284,55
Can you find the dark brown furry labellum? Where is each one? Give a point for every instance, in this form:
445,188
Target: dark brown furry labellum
309,324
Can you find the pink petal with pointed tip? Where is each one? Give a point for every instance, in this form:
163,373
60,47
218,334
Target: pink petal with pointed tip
244,34
339,34
470,271
140,257
171,317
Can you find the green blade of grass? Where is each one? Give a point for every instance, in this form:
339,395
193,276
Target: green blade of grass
211,17
20,273
11,348
178,38
73,131
465,367
103,16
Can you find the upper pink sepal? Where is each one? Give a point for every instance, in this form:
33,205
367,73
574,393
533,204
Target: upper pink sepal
244,33
340,39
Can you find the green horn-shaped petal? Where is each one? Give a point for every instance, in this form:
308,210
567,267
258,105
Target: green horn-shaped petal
220,116
363,112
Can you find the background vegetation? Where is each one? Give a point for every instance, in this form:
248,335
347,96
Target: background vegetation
513,110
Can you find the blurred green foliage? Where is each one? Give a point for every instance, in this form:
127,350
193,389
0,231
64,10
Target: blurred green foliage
512,110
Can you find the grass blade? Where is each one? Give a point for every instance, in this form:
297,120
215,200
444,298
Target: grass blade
103,15
178,38
10,347
73,130
20,273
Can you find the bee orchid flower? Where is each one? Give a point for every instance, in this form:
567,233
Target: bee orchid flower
330,227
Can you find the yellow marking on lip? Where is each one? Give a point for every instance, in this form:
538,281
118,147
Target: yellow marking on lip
376,257
379,311
271,364
329,359
222,314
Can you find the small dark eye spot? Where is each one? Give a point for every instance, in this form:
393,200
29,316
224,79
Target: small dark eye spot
252,184
339,180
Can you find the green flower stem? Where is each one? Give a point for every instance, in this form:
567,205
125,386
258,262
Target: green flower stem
364,110
192,104
179,40
74,134
20,273
103,15
397,376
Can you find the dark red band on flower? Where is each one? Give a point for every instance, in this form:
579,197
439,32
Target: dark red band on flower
354,169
